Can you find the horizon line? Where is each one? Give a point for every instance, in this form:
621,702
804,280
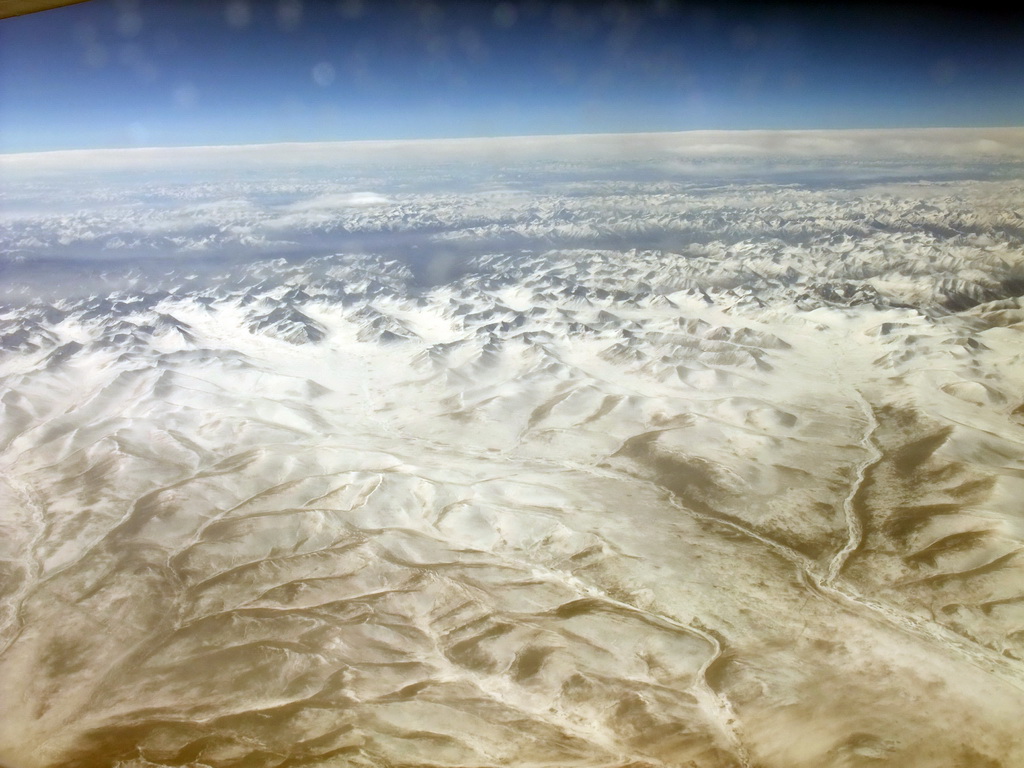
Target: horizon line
528,136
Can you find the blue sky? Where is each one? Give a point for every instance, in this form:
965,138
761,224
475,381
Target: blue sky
162,73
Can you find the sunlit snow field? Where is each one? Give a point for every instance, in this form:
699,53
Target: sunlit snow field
653,450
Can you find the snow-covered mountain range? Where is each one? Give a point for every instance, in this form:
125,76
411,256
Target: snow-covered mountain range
645,453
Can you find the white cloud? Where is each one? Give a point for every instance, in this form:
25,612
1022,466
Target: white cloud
339,200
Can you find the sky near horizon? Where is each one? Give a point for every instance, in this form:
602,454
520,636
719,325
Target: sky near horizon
160,73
